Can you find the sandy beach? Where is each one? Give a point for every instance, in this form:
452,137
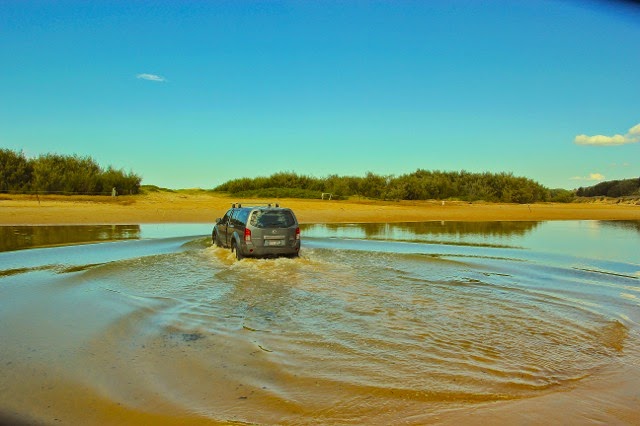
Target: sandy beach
202,207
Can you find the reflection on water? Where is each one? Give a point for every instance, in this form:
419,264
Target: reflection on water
24,237
21,237
602,240
628,225
373,324
391,230
467,233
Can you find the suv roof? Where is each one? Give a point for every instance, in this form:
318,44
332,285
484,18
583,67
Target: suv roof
258,206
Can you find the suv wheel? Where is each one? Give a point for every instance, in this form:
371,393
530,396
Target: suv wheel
234,248
214,239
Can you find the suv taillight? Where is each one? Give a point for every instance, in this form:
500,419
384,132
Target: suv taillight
247,234
297,233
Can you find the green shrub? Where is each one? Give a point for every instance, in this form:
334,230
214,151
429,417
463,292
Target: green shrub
612,188
420,185
54,173
278,193
15,171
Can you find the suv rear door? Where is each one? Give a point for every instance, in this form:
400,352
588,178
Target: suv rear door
273,227
223,228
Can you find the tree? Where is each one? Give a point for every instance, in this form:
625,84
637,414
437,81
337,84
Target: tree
15,171
60,173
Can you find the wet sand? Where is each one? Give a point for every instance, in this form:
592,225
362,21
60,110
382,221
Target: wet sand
199,207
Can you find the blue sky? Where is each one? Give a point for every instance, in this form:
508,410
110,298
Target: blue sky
194,93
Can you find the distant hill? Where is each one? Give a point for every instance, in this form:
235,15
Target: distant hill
612,188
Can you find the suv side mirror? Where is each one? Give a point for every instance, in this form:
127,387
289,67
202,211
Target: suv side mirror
217,220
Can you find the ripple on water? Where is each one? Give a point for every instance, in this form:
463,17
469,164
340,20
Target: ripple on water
338,330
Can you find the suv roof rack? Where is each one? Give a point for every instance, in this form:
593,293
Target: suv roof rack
239,206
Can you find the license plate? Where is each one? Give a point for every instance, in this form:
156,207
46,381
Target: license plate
272,243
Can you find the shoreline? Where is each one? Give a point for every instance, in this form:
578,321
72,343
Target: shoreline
166,207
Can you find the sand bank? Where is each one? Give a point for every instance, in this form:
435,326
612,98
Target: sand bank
169,207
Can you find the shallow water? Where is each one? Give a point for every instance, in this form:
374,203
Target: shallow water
438,322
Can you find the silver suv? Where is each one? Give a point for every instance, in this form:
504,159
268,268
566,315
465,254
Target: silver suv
258,231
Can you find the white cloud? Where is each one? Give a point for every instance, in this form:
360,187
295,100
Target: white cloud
151,77
632,136
591,177
601,140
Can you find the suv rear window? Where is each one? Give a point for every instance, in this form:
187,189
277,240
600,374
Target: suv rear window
272,219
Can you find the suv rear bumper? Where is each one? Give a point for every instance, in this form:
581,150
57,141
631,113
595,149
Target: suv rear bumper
250,250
